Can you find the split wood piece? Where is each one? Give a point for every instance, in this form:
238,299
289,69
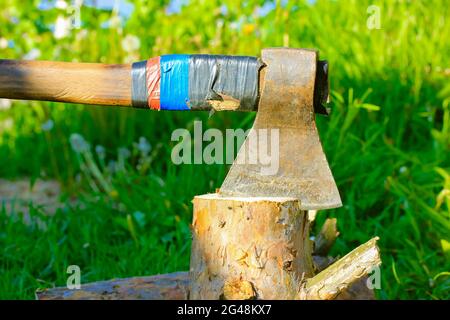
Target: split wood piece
312,216
249,248
172,286
326,237
340,275
322,244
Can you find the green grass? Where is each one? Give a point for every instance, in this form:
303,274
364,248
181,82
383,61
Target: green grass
391,164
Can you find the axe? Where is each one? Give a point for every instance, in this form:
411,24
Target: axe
286,86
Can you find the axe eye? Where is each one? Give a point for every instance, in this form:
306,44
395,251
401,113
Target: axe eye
321,88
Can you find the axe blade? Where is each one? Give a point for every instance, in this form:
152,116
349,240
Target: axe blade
286,109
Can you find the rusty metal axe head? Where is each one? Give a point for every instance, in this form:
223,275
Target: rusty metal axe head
293,85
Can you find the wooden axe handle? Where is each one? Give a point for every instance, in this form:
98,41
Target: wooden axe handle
88,83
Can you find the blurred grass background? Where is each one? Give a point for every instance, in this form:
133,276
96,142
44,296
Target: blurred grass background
126,208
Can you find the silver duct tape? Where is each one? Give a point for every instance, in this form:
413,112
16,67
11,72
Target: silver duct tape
139,84
224,82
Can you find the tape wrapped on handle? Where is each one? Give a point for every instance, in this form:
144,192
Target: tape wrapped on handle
197,82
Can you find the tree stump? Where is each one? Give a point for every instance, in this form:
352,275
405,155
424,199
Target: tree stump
259,248
248,248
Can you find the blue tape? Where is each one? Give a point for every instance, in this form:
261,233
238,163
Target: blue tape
174,90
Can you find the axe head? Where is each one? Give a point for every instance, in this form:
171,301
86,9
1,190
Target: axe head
294,85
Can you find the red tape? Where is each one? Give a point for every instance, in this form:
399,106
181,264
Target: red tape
153,83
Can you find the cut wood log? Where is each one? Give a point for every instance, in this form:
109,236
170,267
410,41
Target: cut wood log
249,248
172,286
339,276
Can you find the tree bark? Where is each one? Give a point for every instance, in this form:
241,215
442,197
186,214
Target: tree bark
249,248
